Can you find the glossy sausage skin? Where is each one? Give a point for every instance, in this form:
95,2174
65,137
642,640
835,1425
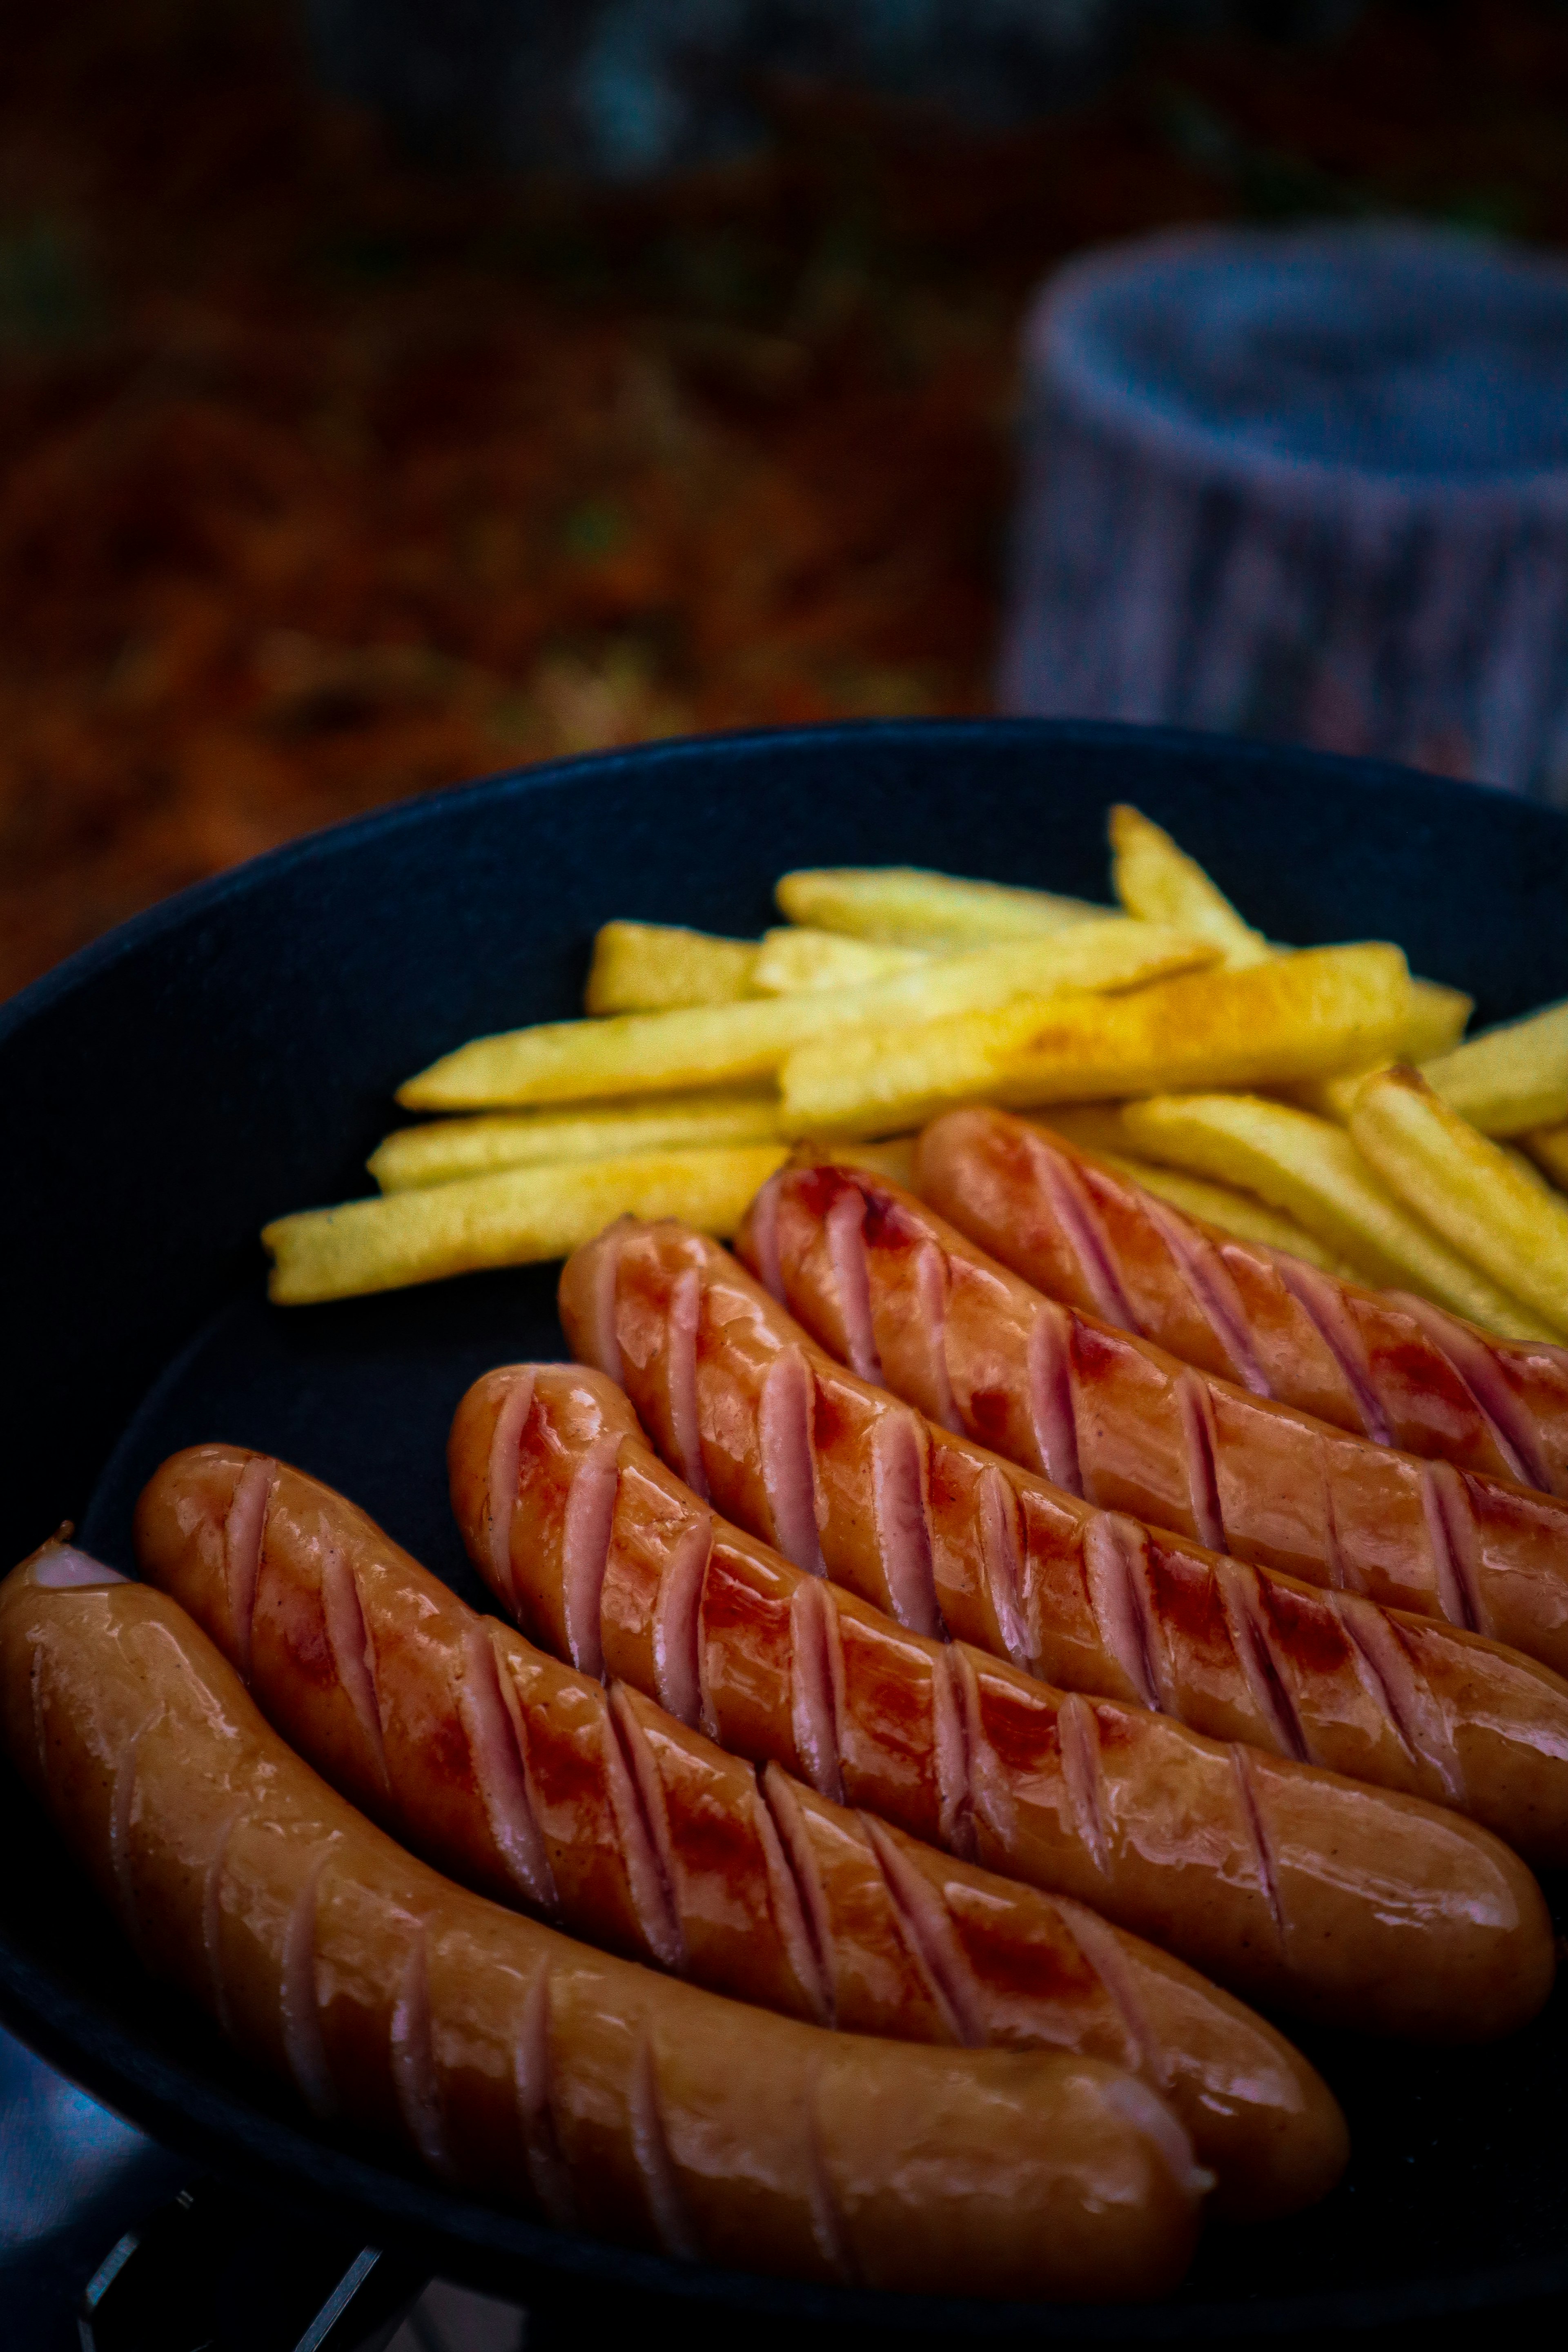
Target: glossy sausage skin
1105,1602
1286,1882
531,1781
1385,1366
1173,1444
523,2067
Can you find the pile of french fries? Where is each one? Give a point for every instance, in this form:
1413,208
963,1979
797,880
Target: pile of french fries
1318,1100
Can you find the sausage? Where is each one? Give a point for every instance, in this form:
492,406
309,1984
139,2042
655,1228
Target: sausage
1285,1882
1388,1367
528,1780
522,2066
972,1544
1115,1419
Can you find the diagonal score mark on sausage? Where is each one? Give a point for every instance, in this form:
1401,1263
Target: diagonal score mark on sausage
928,1930
638,1799
1203,1480
1051,1411
789,1472
242,1539
904,1525
1079,1220
299,2000
816,1688
802,1929
1322,1303
650,2144
348,1638
586,1548
814,1962
1251,1813
1080,1738
678,1625
1146,2052
504,1476
1399,1687
1450,1527
931,1308
680,1372
1119,1601
412,2059
1002,1557
1475,1366
549,2175
495,1736
1212,1290
845,1225
1259,1663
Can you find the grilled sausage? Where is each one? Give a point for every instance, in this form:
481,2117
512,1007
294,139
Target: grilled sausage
531,1781
1105,1603
1286,1882
523,2067
1388,1367
1174,1444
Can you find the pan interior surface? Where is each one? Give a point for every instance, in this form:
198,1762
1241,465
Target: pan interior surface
233,1055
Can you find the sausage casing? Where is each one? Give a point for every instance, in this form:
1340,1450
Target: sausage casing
1106,1602
523,2067
530,1781
1385,1366
1286,1882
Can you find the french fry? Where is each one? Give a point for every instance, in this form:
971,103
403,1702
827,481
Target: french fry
894,1158
1548,1147
1160,883
713,1045
1093,1126
1466,1187
448,1148
796,956
908,906
649,967
515,1218
1291,1018
1437,1018
1508,1080
1313,1171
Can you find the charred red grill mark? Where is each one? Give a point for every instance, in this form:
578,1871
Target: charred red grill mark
1020,1728
1184,1598
1304,1627
989,1411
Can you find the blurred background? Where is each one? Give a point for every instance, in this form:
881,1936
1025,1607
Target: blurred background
391,393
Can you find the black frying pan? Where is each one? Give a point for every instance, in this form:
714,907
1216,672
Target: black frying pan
232,1054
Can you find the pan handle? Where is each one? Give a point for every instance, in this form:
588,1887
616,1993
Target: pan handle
216,2271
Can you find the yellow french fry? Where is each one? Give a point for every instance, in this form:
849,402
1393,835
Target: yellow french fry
894,1158
1548,1147
713,1045
1437,1018
447,1148
1471,1191
796,957
649,967
518,1217
1160,883
909,906
1093,1126
1291,1018
1313,1171
1508,1080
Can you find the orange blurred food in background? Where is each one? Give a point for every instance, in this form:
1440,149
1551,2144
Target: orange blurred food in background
327,478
